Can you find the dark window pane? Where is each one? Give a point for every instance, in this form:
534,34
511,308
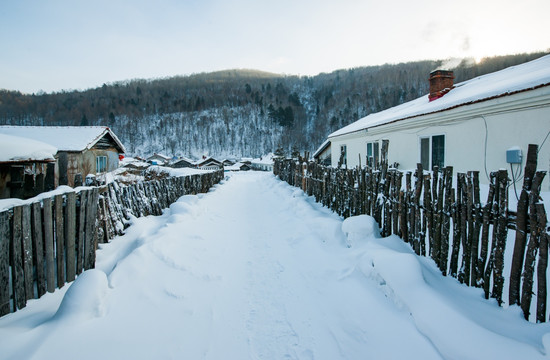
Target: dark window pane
438,151
425,153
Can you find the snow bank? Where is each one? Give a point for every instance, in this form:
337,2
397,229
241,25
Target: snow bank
85,299
360,227
457,319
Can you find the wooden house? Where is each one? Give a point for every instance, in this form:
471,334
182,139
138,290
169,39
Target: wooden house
482,124
81,150
27,167
209,163
183,162
158,159
323,154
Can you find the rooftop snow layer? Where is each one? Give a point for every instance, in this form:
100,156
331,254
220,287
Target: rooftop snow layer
64,138
16,149
510,80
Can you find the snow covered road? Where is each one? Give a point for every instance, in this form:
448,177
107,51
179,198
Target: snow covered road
256,270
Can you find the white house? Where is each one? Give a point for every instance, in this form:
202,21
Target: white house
471,125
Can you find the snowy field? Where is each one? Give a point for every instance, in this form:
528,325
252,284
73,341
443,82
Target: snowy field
256,270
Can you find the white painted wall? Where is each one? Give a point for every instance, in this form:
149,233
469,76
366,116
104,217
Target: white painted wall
476,136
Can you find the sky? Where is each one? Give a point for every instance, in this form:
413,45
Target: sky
58,45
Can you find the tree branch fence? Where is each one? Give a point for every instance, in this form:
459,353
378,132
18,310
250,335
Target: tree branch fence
442,216
47,243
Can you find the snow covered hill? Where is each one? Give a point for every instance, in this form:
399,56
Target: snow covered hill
256,270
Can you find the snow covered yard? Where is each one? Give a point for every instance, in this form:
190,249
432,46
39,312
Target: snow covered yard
256,270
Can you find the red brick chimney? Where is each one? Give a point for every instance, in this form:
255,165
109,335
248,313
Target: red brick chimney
441,82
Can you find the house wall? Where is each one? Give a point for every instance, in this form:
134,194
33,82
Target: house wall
72,163
325,156
25,180
476,136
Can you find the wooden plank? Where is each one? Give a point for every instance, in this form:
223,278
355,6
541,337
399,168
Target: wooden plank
70,234
81,238
417,216
49,245
521,226
501,232
26,251
5,237
59,240
455,215
38,248
461,198
542,265
532,246
487,216
446,221
91,241
18,274
477,271
428,214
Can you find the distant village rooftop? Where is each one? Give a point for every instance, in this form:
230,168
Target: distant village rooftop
509,81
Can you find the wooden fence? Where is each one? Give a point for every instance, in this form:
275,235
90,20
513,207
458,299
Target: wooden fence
447,222
47,243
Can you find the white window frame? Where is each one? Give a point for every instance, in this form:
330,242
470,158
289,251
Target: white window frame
375,156
430,149
344,149
99,161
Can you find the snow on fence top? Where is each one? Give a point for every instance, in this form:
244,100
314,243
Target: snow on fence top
511,80
18,149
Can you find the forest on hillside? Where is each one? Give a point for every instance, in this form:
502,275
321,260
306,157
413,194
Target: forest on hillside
236,112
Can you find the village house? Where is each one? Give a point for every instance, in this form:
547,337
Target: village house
209,163
81,150
482,124
27,167
158,159
183,162
323,154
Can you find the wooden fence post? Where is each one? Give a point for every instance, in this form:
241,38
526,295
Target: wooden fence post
18,274
59,240
521,226
38,248
542,265
27,251
533,245
446,220
501,232
70,232
4,263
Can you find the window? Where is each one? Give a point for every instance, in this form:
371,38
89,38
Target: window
343,155
432,152
438,151
101,164
373,153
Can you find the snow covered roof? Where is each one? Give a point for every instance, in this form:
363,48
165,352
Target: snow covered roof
321,148
528,76
159,156
208,160
64,138
18,149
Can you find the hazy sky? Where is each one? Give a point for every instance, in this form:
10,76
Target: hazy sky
77,44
